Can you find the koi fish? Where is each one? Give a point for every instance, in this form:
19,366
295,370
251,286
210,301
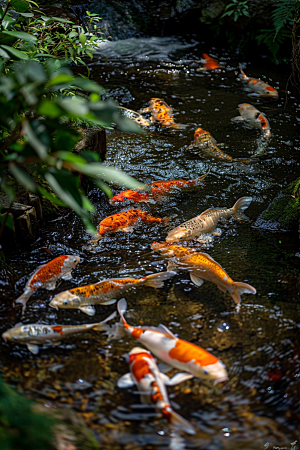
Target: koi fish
158,190
204,141
47,275
209,63
104,293
207,221
202,266
136,117
125,221
260,88
150,382
161,113
253,118
182,355
35,334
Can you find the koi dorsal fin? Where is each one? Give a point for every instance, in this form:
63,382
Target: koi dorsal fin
166,330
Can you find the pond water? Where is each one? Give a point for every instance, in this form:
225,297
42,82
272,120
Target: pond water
259,406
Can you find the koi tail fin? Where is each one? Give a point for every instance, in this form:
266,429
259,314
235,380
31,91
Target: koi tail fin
176,126
240,206
241,288
156,280
166,220
23,299
122,307
102,326
243,73
178,422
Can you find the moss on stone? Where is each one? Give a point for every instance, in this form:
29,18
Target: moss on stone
285,209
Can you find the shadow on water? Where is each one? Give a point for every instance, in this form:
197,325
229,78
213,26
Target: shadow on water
259,406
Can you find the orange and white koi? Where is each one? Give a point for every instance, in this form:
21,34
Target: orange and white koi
204,142
150,382
157,190
209,63
125,221
202,266
182,355
253,118
47,275
259,87
161,113
105,292
207,221
35,334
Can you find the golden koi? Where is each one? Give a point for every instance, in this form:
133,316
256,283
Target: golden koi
150,382
207,221
202,266
209,63
204,142
124,221
176,352
47,275
161,113
260,88
158,190
104,293
253,118
35,334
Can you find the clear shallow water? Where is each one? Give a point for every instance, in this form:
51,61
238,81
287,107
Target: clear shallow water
259,346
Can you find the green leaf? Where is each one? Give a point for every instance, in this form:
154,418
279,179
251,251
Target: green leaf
26,14
106,189
49,109
35,142
21,35
75,106
87,85
60,79
70,157
110,174
19,5
82,38
3,53
15,53
22,177
51,197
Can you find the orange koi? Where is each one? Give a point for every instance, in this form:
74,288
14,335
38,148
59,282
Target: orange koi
259,87
105,292
182,355
150,382
124,221
202,266
158,190
161,113
209,63
47,275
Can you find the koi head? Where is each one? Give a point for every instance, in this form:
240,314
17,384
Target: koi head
65,300
71,262
199,134
216,371
108,224
269,91
164,248
178,234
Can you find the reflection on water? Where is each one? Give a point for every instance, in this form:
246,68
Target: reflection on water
259,405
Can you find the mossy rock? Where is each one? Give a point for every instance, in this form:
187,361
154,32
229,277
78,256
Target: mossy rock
285,209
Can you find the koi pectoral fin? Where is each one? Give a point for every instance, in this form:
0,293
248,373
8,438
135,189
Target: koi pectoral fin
196,280
179,378
33,348
50,286
237,119
171,267
126,229
67,276
125,381
89,310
